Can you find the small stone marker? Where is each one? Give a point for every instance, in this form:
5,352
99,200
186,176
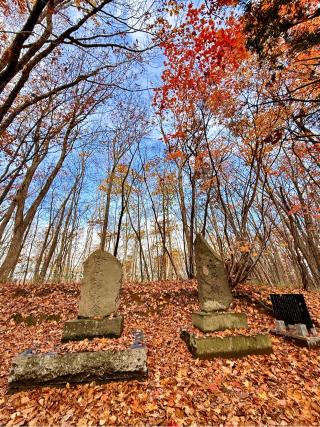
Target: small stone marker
301,330
293,320
280,326
213,284
99,298
214,296
138,337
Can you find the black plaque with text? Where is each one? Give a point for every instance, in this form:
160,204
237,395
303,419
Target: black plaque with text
292,309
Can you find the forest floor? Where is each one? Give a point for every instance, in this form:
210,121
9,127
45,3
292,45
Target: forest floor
278,389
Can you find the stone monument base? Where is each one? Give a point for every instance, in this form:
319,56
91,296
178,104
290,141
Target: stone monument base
218,321
309,342
298,333
34,370
80,329
230,346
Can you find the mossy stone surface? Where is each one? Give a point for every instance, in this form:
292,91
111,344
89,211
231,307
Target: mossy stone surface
29,371
218,321
101,285
79,329
230,346
213,285
32,319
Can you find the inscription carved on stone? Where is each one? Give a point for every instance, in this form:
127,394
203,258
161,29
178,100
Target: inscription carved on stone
100,288
213,285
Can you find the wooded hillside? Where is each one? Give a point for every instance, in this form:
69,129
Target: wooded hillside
134,126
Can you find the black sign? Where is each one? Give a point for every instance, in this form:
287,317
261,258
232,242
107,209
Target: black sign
291,308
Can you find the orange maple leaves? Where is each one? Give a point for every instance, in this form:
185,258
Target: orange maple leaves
201,53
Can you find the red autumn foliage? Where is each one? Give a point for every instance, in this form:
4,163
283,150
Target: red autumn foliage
201,52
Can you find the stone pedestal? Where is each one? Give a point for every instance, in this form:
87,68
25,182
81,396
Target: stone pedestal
80,329
218,321
298,333
231,346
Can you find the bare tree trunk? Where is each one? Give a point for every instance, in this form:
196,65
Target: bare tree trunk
107,209
22,221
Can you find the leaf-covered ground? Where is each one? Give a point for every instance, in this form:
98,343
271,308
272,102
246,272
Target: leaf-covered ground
279,389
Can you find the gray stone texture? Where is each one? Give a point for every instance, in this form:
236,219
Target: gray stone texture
313,332
100,288
213,285
230,346
89,328
280,325
302,330
218,321
29,371
302,341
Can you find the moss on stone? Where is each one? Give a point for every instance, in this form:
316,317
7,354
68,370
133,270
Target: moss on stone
32,320
29,371
218,321
79,329
231,346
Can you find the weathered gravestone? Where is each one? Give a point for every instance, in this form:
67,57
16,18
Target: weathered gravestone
99,298
215,296
213,285
100,288
213,292
293,320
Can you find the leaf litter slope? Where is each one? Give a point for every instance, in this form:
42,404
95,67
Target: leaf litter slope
280,389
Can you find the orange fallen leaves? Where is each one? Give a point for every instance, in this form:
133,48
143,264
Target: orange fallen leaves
279,389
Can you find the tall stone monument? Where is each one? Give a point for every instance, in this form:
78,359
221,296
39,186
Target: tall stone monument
215,298
99,299
101,285
213,285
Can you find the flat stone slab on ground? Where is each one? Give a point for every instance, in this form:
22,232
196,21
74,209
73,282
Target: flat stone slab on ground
301,341
230,346
30,371
218,321
80,329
